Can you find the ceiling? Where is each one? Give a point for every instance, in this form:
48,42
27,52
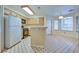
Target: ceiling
54,10
46,10
17,8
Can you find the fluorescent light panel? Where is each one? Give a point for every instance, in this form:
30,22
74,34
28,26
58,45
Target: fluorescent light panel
28,10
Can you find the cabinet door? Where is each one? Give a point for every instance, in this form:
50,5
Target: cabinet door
33,21
41,20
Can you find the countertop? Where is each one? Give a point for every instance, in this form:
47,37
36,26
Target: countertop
35,27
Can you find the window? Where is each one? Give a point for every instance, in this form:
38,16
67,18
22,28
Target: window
67,24
55,24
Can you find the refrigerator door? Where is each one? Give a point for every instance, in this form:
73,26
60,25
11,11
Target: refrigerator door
15,35
14,21
12,31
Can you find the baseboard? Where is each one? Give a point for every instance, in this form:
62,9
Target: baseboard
65,36
41,46
10,47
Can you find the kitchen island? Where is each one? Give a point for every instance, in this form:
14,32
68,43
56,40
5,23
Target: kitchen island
38,35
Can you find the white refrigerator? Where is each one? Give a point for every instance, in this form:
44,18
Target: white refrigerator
12,31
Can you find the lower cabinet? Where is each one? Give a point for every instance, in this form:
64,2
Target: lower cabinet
38,37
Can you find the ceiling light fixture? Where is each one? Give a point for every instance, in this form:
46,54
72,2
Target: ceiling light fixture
61,17
61,13
28,10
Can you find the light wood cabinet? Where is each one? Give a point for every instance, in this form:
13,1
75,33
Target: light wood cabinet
35,21
38,36
41,20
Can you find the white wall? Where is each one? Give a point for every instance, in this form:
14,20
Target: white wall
1,29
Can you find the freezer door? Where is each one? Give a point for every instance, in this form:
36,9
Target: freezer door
14,21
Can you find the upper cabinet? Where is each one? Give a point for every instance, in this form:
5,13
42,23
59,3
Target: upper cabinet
35,21
41,20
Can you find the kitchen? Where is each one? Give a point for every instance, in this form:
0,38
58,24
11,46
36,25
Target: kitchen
28,27
44,30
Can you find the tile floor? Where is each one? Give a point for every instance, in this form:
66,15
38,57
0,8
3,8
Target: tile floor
53,44
23,47
38,49
61,44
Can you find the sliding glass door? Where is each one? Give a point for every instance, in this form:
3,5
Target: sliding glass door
49,25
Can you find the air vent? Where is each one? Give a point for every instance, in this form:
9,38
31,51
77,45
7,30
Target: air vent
71,10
